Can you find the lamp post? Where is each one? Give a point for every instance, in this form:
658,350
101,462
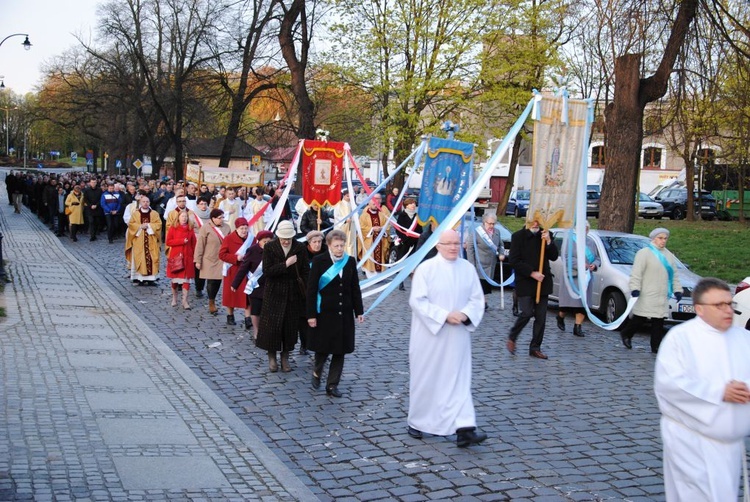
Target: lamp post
26,44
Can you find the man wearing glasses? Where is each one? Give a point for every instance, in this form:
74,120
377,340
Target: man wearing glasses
701,383
653,280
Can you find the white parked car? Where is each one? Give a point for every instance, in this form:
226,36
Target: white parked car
609,283
649,208
742,298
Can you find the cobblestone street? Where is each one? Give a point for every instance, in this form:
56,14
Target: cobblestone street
582,425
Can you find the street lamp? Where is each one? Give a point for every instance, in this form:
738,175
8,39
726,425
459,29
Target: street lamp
26,44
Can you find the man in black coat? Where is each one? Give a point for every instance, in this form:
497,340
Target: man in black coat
525,251
92,196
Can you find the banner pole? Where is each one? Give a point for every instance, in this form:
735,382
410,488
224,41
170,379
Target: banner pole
318,218
541,270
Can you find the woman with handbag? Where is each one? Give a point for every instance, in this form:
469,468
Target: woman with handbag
231,253
206,257
285,267
74,211
181,242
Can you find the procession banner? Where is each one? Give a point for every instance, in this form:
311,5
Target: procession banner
322,171
446,178
222,176
560,131
193,173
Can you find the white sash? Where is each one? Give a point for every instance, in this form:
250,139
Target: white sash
486,238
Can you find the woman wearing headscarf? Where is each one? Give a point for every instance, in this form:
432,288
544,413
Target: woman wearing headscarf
207,258
252,273
231,253
333,301
285,267
181,242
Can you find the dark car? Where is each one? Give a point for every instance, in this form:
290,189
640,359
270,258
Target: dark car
674,201
518,203
592,203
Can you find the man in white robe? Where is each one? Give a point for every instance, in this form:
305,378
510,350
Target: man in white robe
447,306
701,383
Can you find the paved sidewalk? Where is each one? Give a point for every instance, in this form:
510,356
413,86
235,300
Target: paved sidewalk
94,406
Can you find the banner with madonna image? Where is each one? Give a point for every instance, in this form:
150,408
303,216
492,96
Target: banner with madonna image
447,176
560,136
322,171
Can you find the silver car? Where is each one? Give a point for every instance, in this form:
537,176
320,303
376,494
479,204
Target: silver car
649,208
609,283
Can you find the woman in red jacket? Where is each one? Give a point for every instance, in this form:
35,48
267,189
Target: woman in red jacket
228,254
181,243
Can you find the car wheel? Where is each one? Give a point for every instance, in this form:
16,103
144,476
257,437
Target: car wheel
614,306
678,214
516,212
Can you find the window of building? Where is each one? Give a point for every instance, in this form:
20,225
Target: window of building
652,157
597,156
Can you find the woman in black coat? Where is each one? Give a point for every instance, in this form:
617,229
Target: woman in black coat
284,266
332,322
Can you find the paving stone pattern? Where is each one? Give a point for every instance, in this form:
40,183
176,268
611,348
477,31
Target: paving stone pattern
582,425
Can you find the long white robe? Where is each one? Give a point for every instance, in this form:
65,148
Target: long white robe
341,211
440,399
703,436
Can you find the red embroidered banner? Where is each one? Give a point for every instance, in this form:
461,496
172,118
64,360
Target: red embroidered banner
322,171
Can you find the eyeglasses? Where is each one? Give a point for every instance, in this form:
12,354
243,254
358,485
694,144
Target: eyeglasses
721,305
452,244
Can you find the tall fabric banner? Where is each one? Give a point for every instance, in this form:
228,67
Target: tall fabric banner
322,171
560,132
446,178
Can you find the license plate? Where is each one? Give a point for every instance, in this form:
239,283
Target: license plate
706,208
686,308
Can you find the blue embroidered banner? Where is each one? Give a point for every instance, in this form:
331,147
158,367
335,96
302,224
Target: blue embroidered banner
446,178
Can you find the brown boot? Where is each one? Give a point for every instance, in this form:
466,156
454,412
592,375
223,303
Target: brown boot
273,366
212,307
285,362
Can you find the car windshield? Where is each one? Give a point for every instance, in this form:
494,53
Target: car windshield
645,198
523,195
621,249
592,195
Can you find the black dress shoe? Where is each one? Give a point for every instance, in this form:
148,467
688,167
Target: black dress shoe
538,354
401,287
578,330
561,324
416,434
469,436
515,311
626,341
315,382
333,392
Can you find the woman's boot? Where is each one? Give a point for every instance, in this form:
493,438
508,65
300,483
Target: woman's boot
174,295
185,304
285,362
212,307
230,317
273,366
248,323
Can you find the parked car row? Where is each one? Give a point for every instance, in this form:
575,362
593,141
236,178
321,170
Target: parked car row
674,201
518,204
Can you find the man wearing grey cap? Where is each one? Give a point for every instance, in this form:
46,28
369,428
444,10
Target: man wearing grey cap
653,280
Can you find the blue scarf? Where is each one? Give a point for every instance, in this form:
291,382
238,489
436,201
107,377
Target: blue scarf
670,270
329,274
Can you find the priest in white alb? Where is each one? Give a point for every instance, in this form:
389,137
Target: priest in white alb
702,381
447,306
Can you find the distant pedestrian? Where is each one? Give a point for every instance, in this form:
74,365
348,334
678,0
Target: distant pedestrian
525,253
143,243
110,203
74,209
653,280
566,300
447,306
334,301
92,196
231,253
207,259
485,254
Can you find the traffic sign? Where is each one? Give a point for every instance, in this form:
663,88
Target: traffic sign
138,164
89,162
73,157
118,164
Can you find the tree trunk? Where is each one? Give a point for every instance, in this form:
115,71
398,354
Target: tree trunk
624,118
514,154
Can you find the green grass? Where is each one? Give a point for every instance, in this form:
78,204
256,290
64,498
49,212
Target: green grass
710,248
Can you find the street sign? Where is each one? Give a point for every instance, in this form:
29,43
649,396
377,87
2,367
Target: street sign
138,164
118,164
89,162
73,157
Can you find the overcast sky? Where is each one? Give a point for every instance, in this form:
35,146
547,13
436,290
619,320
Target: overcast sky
50,25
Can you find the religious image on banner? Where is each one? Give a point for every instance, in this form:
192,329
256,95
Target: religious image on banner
322,171
446,178
559,145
